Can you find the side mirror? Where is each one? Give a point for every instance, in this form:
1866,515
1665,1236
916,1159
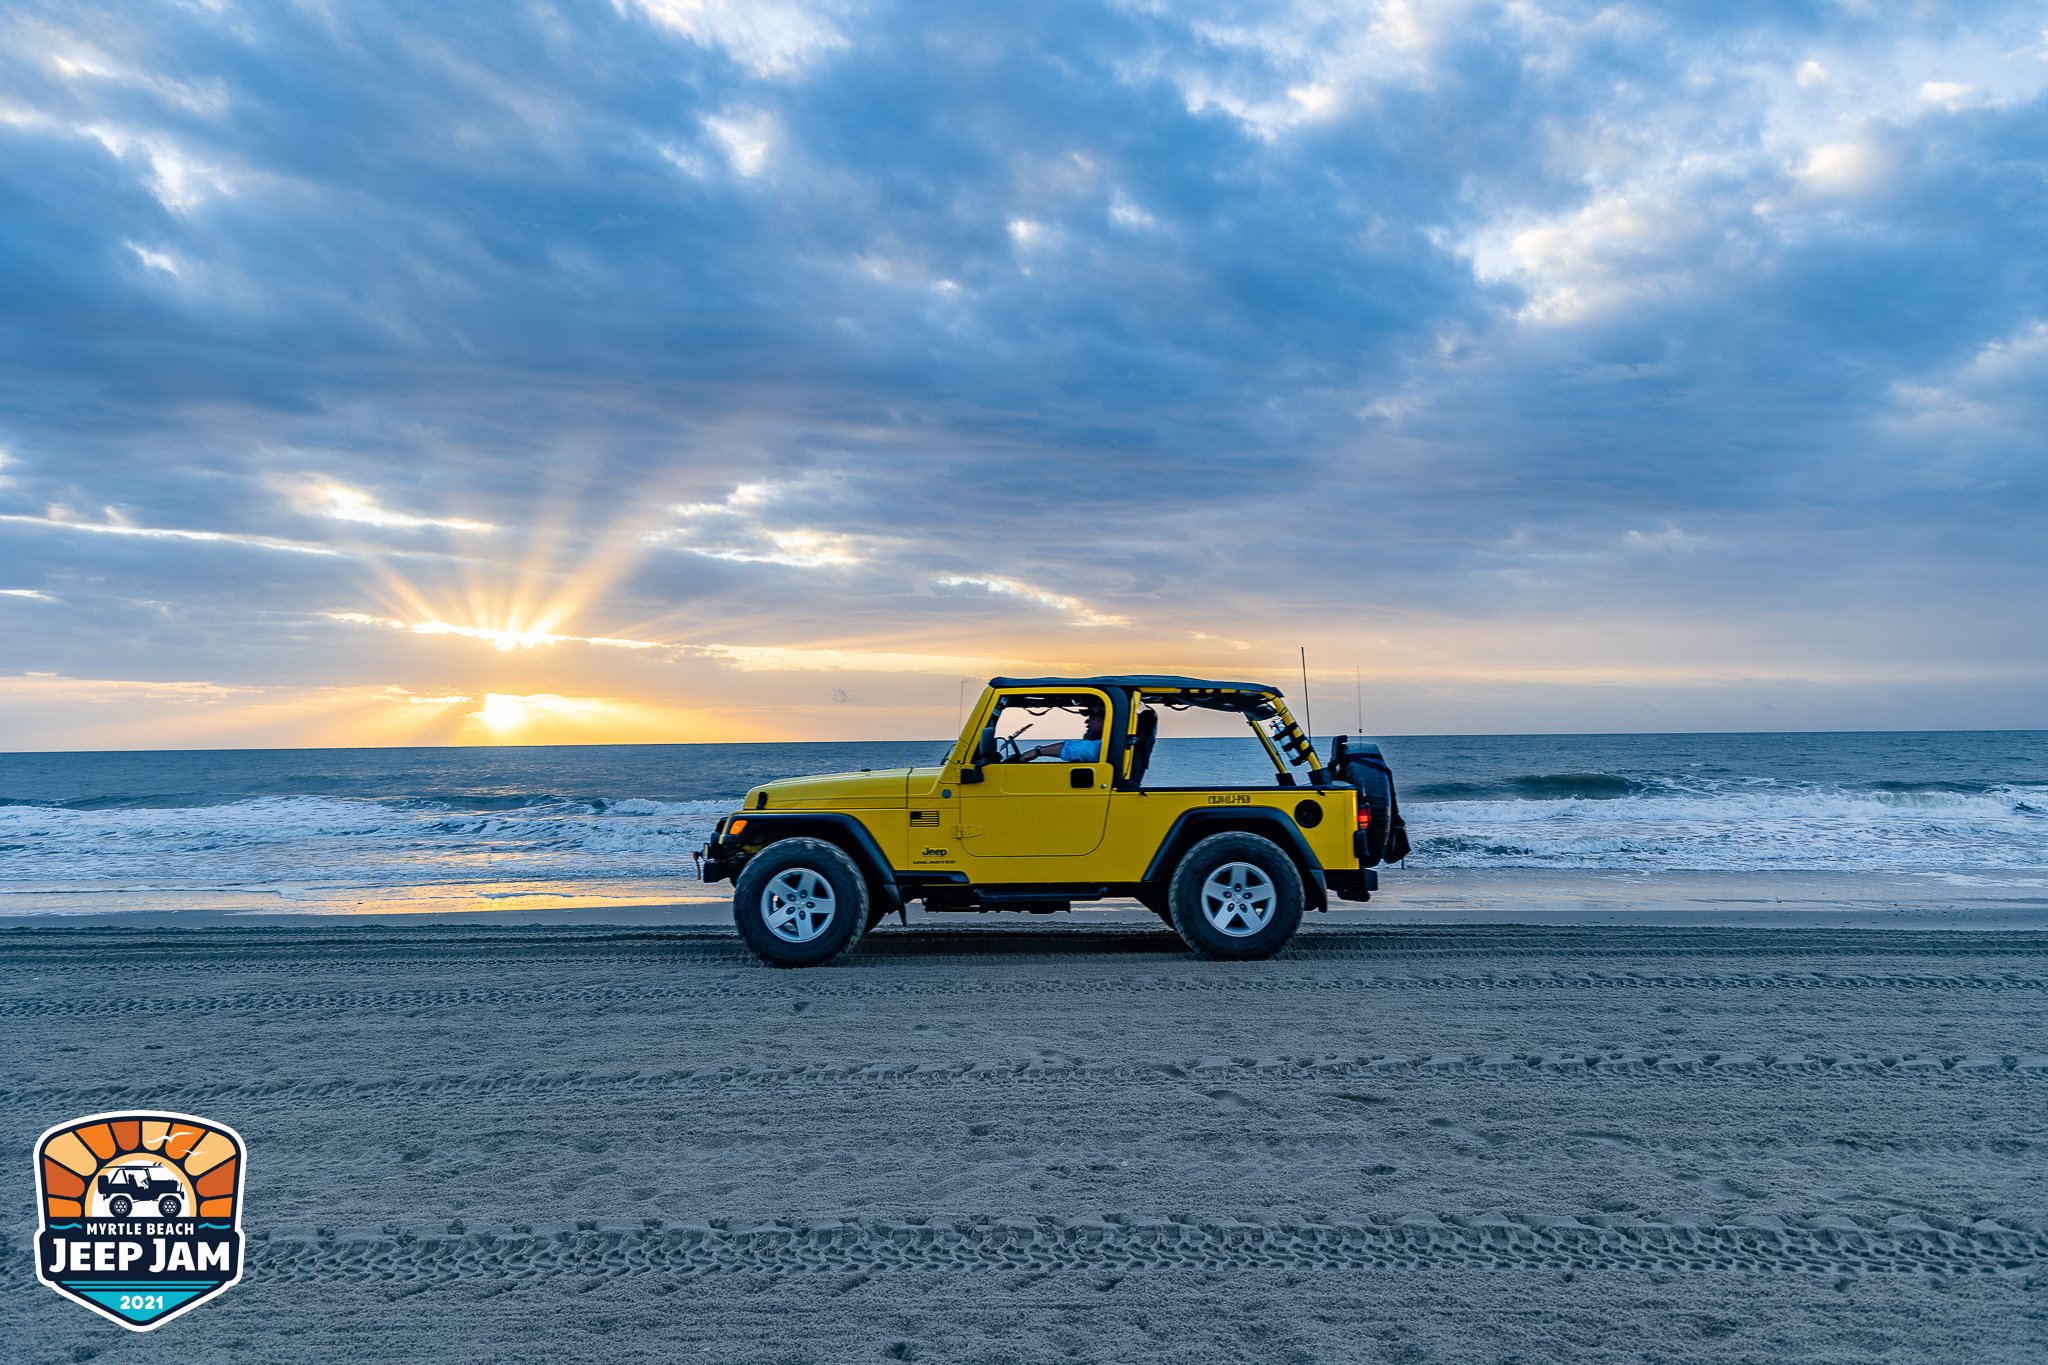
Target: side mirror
984,753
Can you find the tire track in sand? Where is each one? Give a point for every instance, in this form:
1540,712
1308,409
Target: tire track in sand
1629,1065
95,953
843,986
1774,1242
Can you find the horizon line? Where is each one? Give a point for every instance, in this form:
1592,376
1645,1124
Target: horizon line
733,743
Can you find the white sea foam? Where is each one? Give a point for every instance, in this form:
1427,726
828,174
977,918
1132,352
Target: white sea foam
1742,826
313,840
317,841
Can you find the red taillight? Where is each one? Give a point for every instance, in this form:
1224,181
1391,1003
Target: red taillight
1364,817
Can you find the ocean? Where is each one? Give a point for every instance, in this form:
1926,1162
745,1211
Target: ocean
349,829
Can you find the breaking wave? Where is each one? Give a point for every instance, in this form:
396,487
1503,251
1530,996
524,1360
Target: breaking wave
350,841
521,835
1537,787
1671,826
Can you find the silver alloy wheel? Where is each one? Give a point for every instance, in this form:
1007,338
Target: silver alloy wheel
797,905
1239,899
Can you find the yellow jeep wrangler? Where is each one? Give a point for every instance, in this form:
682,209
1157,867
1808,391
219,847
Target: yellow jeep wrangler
1005,825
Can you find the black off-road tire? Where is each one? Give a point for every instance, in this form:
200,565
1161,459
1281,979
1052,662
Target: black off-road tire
839,934
169,1206
1184,896
119,1205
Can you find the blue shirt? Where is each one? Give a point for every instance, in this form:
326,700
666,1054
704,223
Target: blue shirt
1080,751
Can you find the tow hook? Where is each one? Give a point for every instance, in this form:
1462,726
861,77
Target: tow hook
698,854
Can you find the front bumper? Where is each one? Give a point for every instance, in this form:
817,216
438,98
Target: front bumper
718,861
722,856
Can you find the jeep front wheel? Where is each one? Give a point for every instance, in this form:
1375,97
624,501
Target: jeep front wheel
800,903
1236,896
169,1206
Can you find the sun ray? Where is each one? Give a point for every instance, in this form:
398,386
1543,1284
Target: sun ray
528,603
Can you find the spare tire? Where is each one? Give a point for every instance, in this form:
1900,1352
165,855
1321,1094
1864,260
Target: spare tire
1366,771
1375,796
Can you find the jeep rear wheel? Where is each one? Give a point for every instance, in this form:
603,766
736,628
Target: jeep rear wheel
119,1205
1236,896
800,903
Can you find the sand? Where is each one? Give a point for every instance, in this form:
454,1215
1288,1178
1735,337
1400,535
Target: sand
1066,1140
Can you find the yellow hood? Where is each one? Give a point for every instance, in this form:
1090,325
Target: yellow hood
880,789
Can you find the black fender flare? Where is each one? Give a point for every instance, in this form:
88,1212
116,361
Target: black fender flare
1194,825
834,828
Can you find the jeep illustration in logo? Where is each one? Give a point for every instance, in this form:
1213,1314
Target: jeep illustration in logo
141,1213
126,1186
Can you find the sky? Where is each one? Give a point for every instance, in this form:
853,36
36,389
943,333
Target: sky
661,370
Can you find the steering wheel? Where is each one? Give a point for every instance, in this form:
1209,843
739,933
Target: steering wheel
1008,750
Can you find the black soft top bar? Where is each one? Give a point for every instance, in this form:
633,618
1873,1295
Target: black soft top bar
1153,681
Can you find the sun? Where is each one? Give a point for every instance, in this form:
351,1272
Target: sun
502,712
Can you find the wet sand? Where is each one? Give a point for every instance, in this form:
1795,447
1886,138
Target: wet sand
1982,899
1064,1139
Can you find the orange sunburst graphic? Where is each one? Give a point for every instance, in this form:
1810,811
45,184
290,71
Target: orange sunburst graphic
141,1213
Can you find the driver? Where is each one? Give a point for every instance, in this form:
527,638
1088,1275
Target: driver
1087,749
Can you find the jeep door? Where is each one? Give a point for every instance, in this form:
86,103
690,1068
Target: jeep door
1042,809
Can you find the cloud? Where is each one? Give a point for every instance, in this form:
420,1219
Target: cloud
343,503
787,659
747,140
770,37
760,523
500,637
1079,612
1952,94
156,260
899,344
114,525
1851,166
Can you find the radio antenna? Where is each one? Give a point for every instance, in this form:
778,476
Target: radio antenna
1358,683
1307,713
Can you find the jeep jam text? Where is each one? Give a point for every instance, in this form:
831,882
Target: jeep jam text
817,861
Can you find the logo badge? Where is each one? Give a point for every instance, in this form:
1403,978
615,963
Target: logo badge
140,1213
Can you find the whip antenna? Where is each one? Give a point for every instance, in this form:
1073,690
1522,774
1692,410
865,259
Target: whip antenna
1358,682
1307,714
